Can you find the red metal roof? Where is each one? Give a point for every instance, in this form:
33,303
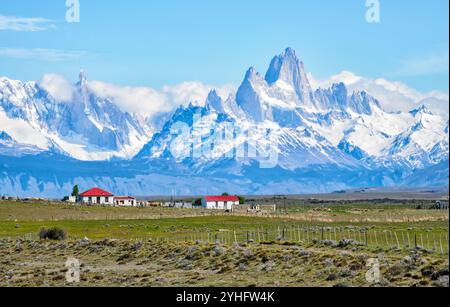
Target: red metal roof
96,192
221,198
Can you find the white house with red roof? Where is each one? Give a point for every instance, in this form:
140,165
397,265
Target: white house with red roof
220,202
97,196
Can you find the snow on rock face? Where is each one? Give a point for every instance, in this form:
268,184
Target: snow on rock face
325,140
87,127
285,93
332,126
247,95
5,137
10,147
214,102
289,69
426,138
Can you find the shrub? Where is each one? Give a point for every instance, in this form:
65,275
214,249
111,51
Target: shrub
55,234
241,200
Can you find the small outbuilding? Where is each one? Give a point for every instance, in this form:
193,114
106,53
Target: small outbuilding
125,201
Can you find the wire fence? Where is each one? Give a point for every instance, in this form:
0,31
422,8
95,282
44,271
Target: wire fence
435,242
430,240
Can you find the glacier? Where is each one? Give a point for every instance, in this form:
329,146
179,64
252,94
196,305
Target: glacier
327,139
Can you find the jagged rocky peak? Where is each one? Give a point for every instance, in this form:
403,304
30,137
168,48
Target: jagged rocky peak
420,111
363,103
82,77
214,102
251,75
5,137
339,91
247,96
288,68
335,97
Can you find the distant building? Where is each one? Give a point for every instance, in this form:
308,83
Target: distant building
188,205
125,201
154,204
441,205
220,202
181,205
97,196
256,209
72,199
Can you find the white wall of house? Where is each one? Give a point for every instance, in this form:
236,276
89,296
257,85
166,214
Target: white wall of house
219,205
100,200
72,199
125,202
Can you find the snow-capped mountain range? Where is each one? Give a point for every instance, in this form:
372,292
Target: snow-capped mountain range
326,139
87,127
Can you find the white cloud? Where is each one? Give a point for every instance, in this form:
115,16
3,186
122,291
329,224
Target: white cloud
394,95
148,101
140,100
195,92
13,23
59,87
145,101
49,55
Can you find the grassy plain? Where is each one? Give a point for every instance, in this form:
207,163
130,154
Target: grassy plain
297,246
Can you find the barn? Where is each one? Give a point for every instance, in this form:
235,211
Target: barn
220,202
97,196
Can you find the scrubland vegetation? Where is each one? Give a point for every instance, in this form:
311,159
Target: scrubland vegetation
313,245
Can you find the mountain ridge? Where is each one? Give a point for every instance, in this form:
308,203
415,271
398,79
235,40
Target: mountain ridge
283,137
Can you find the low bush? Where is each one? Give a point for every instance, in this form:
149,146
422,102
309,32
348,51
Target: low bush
54,234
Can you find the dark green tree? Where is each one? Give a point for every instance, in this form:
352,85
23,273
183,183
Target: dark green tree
75,191
225,194
241,200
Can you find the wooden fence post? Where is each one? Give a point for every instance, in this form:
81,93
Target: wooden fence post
396,238
403,240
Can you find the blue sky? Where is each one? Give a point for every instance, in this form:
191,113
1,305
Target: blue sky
156,43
